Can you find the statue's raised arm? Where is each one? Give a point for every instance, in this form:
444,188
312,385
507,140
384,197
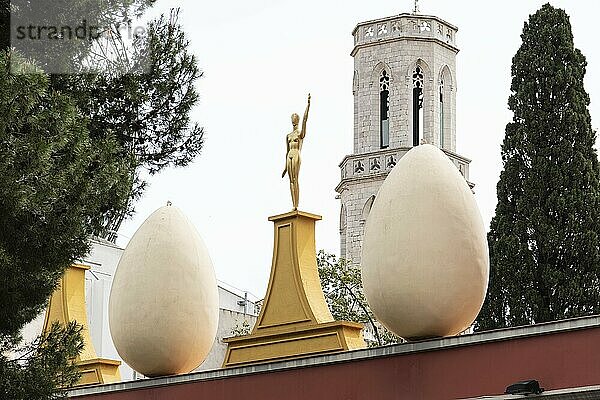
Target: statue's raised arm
303,132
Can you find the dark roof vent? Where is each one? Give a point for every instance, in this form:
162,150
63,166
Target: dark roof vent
524,388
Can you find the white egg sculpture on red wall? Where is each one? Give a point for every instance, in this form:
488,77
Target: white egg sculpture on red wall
425,262
164,303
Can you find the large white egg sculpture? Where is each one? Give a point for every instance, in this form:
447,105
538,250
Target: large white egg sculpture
164,304
425,263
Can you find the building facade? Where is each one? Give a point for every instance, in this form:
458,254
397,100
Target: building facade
404,89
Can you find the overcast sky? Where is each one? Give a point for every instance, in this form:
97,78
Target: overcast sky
260,58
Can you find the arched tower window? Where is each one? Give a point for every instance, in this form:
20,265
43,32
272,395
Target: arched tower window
343,223
384,109
418,80
446,109
441,105
367,208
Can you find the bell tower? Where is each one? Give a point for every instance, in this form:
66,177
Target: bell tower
404,89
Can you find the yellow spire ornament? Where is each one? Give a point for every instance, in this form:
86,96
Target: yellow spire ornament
66,304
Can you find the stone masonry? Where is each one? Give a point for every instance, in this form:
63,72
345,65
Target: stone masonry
397,45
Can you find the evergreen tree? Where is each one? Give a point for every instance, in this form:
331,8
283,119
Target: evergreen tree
145,103
138,89
72,147
57,187
544,238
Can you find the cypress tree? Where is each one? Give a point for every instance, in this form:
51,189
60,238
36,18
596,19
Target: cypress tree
544,255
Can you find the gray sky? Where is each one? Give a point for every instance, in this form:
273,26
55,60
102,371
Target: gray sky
262,57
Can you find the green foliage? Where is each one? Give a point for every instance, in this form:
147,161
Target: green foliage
41,369
145,104
543,240
57,187
72,149
342,287
142,93
102,13
148,112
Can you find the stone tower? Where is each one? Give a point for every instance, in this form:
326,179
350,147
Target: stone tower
404,90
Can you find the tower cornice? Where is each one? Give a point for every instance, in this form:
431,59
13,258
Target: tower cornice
405,26
357,167
404,15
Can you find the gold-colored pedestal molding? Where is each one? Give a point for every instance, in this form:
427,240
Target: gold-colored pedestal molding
68,304
294,320
98,370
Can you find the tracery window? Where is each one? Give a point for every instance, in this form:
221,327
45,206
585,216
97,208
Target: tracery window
441,94
384,109
418,81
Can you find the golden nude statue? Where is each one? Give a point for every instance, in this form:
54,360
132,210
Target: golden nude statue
293,142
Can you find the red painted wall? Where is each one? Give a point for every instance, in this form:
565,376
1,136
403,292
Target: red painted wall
559,360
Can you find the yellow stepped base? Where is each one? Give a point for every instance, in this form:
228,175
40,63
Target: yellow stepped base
294,320
332,337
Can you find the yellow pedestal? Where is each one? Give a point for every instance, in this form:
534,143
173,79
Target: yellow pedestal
295,320
68,304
